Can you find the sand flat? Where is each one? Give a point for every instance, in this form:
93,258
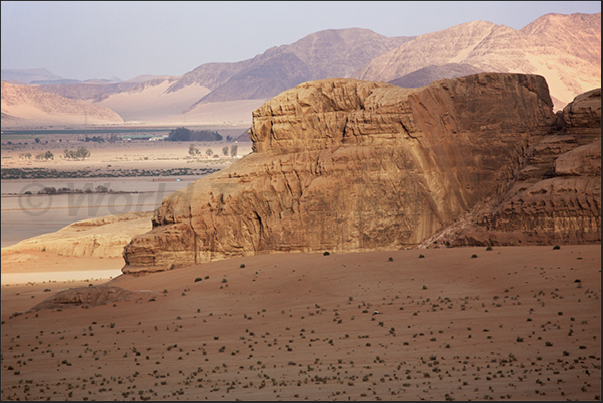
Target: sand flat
516,323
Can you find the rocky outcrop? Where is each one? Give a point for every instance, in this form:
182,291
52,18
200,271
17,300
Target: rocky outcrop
101,237
89,296
346,165
556,198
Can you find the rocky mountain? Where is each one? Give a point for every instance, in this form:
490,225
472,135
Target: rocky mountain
346,165
428,74
24,104
565,49
577,34
27,76
329,53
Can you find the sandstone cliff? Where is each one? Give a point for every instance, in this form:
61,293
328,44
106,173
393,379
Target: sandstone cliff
347,165
556,197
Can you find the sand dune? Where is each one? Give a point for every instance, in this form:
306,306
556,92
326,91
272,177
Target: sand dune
153,104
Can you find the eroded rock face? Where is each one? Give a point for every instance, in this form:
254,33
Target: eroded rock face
556,198
347,165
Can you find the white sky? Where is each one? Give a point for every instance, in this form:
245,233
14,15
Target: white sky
83,40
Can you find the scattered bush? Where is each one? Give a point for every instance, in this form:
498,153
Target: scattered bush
184,134
556,247
198,279
326,254
473,256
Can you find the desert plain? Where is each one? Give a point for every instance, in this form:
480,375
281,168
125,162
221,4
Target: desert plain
511,323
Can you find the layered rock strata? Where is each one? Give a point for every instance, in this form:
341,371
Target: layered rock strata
556,197
346,165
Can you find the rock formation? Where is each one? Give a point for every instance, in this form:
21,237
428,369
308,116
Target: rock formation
556,197
346,165
101,237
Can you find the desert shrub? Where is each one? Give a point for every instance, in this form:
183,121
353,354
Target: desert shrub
489,247
198,279
473,256
242,265
421,256
326,254
556,247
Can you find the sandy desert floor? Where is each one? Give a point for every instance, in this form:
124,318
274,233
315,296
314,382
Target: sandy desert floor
106,157
513,323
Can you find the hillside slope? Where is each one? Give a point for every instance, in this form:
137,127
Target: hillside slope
30,105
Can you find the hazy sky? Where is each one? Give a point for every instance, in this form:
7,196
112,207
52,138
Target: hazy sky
83,40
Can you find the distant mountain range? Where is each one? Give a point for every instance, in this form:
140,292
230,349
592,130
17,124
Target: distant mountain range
24,104
565,49
43,76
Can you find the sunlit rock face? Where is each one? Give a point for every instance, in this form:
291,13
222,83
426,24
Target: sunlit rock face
346,165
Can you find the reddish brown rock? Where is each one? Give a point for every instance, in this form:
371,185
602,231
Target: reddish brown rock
347,165
557,196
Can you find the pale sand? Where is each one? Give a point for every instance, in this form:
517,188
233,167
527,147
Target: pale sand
513,323
154,103
124,155
54,276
